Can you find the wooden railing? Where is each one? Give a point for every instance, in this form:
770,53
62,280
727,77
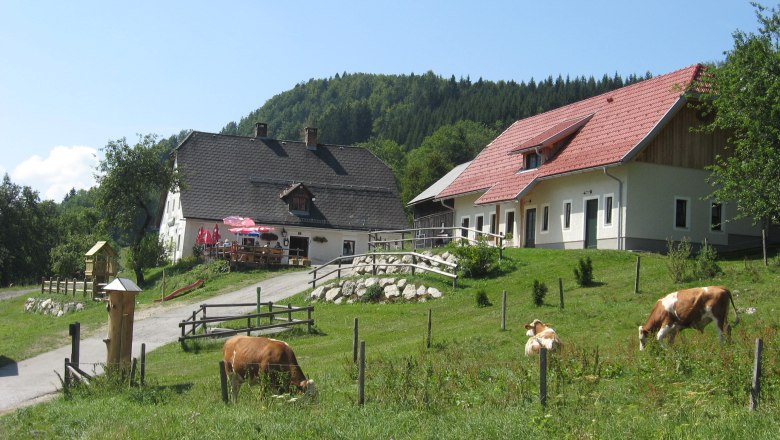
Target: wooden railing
66,286
414,266
277,315
434,236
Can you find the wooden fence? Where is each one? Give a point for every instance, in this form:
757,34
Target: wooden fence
338,262
66,286
201,323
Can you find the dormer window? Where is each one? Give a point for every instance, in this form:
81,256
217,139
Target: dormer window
298,199
299,202
532,160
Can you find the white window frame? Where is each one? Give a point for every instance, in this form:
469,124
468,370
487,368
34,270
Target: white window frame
563,214
609,215
722,229
687,226
543,229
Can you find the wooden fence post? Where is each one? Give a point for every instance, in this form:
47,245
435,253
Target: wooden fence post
66,375
338,273
755,389
560,291
223,381
355,342
362,373
636,279
162,288
51,280
428,339
373,264
143,363
308,319
74,287
543,376
314,279
84,288
43,285
74,330
58,285
67,285
503,310
763,245
259,289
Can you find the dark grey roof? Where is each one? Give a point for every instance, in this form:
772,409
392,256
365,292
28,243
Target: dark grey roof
235,175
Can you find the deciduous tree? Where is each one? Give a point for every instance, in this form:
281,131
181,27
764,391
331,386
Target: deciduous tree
132,180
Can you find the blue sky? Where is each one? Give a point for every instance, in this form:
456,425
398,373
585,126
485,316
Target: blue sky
74,75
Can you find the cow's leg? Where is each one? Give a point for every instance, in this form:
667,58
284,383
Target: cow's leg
720,324
666,329
673,333
235,385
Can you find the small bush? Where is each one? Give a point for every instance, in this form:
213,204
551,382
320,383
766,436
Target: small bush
705,264
478,260
482,299
584,274
678,259
539,292
373,293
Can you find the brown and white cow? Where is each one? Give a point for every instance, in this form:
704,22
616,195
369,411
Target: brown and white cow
690,308
247,357
540,335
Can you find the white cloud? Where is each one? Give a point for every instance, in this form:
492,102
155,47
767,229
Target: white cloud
54,176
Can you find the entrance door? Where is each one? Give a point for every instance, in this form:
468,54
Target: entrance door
530,228
591,222
299,246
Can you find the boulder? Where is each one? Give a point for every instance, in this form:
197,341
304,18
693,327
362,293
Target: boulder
401,283
332,294
410,291
422,291
391,291
317,293
371,281
434,292
338,300
384,282
348,288
360,291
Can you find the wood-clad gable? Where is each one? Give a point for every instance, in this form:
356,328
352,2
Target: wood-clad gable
677,145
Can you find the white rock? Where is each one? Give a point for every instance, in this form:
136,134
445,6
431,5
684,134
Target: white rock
445,256
384,282
360,291
79,307
392,291
332,294
371,281
338,300
391,269
348,288
410,291
407,259
60,313
434,292
317,292
422,291
401,283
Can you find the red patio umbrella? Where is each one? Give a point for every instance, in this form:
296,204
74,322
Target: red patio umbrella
200,238
235,220
215,235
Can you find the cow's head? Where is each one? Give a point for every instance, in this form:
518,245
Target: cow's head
534,327
642,337
308,387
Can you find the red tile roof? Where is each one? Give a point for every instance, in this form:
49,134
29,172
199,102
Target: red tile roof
621,120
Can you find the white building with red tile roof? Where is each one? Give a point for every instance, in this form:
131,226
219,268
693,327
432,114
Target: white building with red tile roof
621,170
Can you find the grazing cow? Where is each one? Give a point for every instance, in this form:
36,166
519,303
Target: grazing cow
247,357
540,335
691,308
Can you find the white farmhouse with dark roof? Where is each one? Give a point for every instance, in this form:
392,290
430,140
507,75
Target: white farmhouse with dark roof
320,198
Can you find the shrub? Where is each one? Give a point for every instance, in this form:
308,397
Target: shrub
482,299
373,293
478,260
584,274
678,259
706,265
540,290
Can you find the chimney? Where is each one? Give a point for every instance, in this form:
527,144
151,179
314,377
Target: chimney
310,138
261,130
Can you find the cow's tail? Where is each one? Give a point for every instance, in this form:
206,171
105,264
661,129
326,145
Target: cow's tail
736,314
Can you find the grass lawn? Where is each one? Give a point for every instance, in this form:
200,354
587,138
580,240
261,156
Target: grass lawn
474,381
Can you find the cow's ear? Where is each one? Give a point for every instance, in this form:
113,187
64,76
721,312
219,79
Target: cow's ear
528,326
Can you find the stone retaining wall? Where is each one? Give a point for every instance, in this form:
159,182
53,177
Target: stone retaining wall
393,290
384,263
48,306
